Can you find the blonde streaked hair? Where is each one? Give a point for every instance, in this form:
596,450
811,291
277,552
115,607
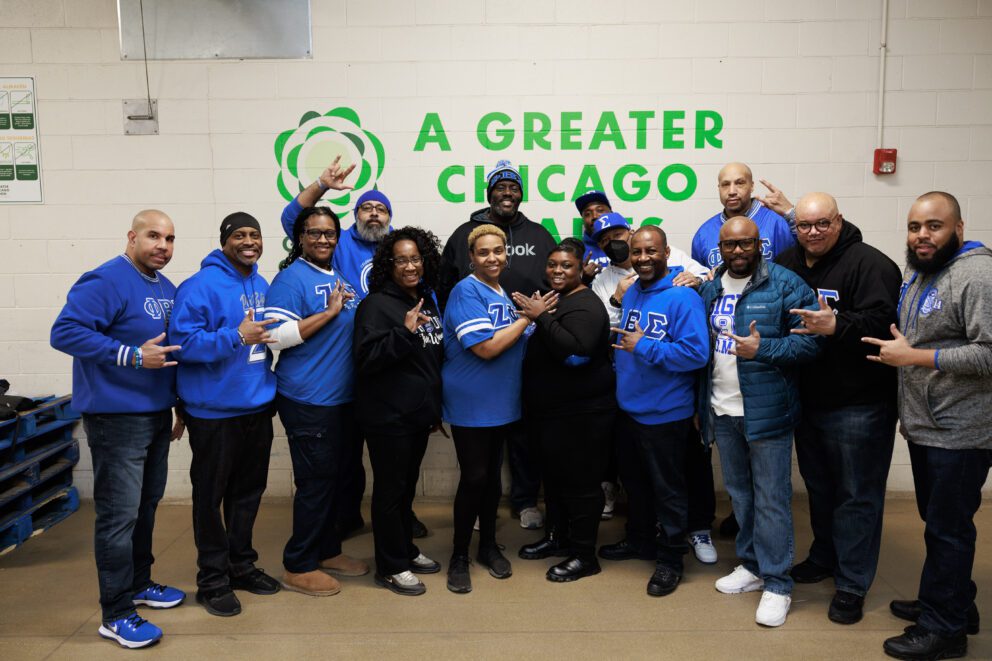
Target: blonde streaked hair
484,230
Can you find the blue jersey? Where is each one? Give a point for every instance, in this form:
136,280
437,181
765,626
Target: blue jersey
352,258
773,229
110,310
656,383
320,371
477,392
218,376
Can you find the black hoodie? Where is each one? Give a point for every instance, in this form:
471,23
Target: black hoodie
397,373
862,285
528,245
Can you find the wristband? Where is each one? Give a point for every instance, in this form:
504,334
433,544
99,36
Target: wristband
241,337
137,358
321,185
615,303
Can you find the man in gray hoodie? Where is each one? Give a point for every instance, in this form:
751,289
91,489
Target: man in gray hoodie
944,356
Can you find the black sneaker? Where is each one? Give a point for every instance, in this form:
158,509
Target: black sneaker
846,607
808,571
221,602
459,578
499,566
663,581
910,609
417,527
256,581
624,550
919,643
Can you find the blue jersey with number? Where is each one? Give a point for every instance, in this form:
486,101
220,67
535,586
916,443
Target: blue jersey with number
477,392
218,377
320,371
773,229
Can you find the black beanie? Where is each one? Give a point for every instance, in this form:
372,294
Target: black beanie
234,222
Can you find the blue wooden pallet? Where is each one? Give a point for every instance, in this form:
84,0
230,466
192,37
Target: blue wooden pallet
51,413
8,430
19,481
51,507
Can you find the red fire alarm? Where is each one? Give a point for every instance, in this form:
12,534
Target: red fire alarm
885,161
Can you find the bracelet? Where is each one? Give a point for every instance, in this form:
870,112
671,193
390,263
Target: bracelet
137,358
321,185
241,336
615,303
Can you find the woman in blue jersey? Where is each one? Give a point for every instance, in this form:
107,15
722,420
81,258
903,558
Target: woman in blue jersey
483,355
398,352
316,311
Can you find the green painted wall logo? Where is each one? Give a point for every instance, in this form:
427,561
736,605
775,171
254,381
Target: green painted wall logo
304,152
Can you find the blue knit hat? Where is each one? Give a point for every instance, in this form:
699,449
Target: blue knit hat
503,171
374,196
592,196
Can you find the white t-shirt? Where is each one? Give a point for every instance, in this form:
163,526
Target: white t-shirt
726,397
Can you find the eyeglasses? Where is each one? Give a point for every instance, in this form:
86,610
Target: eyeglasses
746,245
314,235
821,225
368,207
403,262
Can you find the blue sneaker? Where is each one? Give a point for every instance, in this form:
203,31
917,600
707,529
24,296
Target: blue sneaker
159,596
131,632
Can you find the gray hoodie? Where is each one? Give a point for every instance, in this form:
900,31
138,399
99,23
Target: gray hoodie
951,406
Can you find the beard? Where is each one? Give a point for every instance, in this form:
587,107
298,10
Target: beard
371,233
940,257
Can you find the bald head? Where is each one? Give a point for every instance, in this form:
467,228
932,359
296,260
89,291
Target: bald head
739,227
150,241
816,205
818,225
735,184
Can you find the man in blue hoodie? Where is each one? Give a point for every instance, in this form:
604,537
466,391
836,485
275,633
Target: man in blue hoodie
124,384
661,343
749,404
226,385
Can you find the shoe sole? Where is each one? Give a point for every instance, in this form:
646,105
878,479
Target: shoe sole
554,578
754,587
844,619
400,590
426,570
662,593
158,605
213,611
309,593
706,562
946,654
344,573
130,644
459,590
493,573
773,624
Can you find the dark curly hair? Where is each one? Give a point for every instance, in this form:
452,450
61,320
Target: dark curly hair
300,226
570,245
427,245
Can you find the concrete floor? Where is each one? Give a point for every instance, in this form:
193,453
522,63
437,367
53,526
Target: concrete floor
49,608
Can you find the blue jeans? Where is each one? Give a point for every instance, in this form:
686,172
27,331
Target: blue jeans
322,440
758,477
130,466
844,456
948,493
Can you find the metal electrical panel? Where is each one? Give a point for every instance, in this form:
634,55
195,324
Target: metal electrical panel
215,29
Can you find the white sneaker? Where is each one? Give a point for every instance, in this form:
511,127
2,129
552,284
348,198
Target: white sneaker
740,580
702,546
772,609
610,495
531,518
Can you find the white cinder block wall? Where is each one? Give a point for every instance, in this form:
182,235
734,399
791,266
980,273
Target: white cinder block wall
794,82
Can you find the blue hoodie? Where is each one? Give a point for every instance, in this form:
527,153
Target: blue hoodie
656,383
109,311
352,257
218,377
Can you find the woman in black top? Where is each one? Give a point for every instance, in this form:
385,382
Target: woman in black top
398,353
569,391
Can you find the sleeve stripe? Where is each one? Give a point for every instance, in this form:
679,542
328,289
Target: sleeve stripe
281,313
122,352
473,321
471,329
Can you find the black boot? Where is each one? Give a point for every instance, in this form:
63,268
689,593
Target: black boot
549,545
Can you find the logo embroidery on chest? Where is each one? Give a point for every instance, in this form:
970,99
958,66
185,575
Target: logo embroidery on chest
654,326
930,303
156,308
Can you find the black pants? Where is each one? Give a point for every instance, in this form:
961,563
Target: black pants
699,482
948,493
229,469
478,450
322,442
653,471
573,451
395,470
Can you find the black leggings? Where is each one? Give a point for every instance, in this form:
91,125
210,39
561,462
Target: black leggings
478,450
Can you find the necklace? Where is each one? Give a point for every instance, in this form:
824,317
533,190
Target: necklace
150,281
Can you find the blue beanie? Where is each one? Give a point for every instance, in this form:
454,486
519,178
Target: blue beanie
503,171
374,196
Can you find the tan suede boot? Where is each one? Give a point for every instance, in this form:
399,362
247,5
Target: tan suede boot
343,565
314,583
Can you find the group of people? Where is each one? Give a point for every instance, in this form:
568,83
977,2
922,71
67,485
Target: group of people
615,359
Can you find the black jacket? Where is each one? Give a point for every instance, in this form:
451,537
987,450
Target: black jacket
528,245
397,373
862,286
555,382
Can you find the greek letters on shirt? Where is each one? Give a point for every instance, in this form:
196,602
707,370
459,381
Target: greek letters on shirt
326,289
654,327
253,301
158,308
502,315
722,319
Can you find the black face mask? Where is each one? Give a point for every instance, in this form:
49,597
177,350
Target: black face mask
617,250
